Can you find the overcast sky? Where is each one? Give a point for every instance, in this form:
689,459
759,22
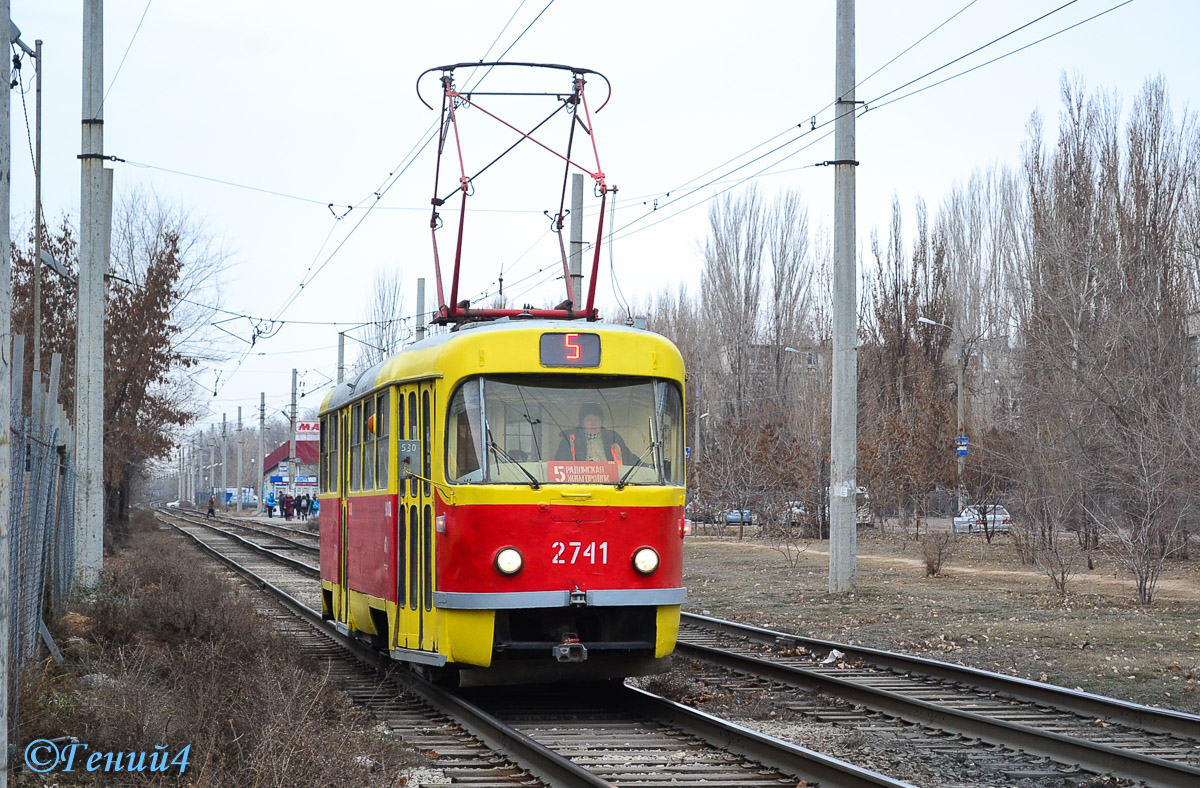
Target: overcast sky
253,116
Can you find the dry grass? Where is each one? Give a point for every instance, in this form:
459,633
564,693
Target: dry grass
166,654
985,609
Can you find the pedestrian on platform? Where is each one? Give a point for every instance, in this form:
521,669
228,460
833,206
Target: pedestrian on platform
271,504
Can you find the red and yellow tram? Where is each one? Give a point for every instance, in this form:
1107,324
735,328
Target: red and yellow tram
509,496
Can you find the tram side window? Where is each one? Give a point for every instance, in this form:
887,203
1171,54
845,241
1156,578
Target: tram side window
323,460
368,451
356,448
332,442
383,445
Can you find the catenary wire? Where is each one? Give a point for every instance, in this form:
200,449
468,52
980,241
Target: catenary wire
117,73
393,177
874,101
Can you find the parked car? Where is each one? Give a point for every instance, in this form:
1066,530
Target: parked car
793,512
739,517
970,520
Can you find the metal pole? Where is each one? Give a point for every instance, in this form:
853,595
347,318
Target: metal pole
37,221
843,485
262,437
6,374
292,441
576,237
238,485
89,334
420,309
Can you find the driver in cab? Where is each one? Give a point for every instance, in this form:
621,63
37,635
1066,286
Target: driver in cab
590,442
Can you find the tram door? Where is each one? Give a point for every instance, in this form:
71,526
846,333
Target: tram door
417,628
342,447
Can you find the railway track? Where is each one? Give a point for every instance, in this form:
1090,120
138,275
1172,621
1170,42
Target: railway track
1003,726
927,722
298,538
615,736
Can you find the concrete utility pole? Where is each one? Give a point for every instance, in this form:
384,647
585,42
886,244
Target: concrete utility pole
576,237
6,375
224,460
238,492
420,309
843,485
262,437
341,356
194,478
292,441
95,196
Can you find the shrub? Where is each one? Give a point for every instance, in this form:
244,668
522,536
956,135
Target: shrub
936,549
168,653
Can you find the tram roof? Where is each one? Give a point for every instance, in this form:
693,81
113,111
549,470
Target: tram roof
430,358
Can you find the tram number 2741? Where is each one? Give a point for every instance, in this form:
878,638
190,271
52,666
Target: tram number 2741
571,552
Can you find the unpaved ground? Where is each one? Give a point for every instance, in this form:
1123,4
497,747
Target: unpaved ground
985,610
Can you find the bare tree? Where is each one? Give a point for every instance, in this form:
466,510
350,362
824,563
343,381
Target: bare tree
1103,321
906,416
380,338
731,288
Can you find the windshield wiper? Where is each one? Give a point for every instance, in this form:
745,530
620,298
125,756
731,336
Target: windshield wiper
637,464
533,482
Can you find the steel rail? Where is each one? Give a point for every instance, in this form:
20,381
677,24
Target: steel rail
1086,704
540,761
308,569
1099,758
285,539
784,756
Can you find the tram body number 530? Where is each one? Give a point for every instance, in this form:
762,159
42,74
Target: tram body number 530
579,552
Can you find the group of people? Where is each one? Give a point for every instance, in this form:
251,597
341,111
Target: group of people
300,506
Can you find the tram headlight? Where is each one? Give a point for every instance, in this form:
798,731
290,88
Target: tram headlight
509,561
645,560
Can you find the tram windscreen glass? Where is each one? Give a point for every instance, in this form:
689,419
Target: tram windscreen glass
570,349
565,429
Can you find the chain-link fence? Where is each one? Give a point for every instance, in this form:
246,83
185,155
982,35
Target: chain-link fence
41,530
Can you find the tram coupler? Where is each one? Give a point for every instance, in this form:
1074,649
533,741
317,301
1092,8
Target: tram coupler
569,650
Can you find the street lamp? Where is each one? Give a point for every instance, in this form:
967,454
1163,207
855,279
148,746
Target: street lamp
960,366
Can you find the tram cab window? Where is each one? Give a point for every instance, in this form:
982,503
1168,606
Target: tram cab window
565,429
463,435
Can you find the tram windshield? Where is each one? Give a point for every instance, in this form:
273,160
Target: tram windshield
565,429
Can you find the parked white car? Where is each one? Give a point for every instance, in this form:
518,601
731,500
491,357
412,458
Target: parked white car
970,520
